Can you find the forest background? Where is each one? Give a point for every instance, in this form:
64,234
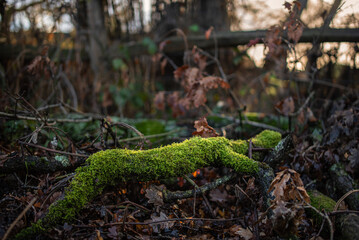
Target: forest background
82,76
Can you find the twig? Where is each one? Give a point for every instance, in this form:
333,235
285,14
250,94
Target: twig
151,136
89,119
343,212
48,107
171,220
125,125
134,204
204,196
303,106
262,125
223,75
343,197
18,218
169,196
325,83
52,150
250,148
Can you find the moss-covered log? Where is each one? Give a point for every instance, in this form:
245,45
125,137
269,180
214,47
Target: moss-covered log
109,167
346,224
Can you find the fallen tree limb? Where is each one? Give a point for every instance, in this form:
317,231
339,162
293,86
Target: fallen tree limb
16,163
176,44
233,39
107,168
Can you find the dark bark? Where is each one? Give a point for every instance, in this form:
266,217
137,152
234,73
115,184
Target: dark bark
15,163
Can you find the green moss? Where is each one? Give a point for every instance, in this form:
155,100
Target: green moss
320,202
106,168
267,139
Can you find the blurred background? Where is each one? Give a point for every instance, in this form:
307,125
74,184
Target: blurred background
117,57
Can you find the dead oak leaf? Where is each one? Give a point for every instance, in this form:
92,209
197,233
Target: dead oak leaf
203,129
162,222
285,106
287,186
211,82
180,71
217,195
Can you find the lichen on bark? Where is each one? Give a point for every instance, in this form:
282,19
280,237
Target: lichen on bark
107,168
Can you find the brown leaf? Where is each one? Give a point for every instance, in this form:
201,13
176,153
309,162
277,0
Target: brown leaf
287,5
217,195
211,82
200,60
287,186
285,106
154,196
311,116
199,98
44,51
34,64
203,129
301,117
159,100
192,75
208,32
295,31
176,104
163,66
158,226
244,233
298,4
180,71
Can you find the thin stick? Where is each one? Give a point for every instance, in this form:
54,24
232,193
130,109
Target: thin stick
52,150
343,197
204,196
303,106
18,218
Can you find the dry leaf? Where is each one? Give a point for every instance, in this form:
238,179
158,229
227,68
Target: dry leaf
159,100
203,129
285,106
180,71
287,5
208,32
163,66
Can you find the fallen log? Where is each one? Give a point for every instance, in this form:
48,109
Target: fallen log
108,168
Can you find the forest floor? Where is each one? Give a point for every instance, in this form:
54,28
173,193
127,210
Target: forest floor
323,159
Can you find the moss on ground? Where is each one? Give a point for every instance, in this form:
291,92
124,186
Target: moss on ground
107,168
320,202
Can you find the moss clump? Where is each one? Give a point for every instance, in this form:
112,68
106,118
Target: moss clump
320,202
106,168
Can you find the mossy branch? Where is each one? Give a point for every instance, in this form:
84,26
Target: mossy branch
107,168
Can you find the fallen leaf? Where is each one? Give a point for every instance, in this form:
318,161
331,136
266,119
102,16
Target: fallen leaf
154,196
162,225
217,195
203,129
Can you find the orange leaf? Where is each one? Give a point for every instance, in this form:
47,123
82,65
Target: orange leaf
180,71
208,32
163,66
